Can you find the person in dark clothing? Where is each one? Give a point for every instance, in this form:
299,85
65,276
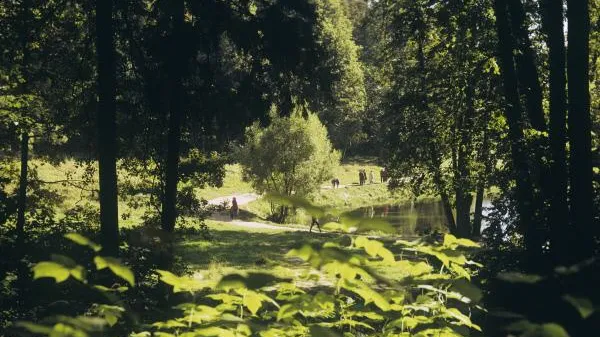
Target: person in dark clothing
234,209
314,221
335,183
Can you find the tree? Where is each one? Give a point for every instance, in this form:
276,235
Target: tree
176,64
512,106
440,103
343,108
107,142
552,14
579,122
290,157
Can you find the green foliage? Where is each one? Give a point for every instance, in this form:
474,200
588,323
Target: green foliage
344,114
101,315
291,157
342,294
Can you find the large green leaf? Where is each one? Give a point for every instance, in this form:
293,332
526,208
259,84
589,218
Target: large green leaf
82,240
297,202
583,305
514,277
34,328
252,301
116,267
51,269
179,283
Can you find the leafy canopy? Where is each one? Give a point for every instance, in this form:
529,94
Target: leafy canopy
292,156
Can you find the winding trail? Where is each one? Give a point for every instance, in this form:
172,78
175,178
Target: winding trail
243,199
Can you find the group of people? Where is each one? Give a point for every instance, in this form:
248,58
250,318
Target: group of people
362,177
335,183
383,175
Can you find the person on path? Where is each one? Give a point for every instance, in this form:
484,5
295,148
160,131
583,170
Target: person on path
335,183
234,209
371,177
382,175
314,221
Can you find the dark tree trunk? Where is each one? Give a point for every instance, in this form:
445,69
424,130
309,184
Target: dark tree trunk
462,175
463,214
552,14
446,205
479,194
516,137
435,160
22,197
526,66
107,143
169,207
478,212
579,123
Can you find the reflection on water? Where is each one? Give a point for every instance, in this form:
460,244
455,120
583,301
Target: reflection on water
411,218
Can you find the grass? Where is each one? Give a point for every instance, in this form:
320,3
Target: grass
349,196
54,176
235,249
239,250
232,184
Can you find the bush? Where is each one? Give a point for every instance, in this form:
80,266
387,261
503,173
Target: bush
292,156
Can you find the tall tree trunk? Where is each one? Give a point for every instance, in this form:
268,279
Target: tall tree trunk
463,214
527,72
479,194
516,137
107,143
579,123
437,180
435,166
169,209
22,197
462,175
552,14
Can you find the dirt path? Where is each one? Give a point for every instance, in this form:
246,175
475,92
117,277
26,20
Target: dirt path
243,199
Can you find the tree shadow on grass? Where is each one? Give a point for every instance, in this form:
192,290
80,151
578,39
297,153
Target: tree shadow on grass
246,250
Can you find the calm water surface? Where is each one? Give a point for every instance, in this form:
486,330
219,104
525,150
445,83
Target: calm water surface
412,218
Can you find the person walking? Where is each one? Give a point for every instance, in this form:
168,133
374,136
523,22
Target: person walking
234,209
371,177
314,221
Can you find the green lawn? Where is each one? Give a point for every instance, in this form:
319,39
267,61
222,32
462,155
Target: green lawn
235,249
232,184
349,196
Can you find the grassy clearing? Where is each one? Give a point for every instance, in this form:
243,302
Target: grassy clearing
79,191
66,179
232,184
238,250
241,250
349,196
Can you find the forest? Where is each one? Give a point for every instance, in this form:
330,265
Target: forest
351,168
